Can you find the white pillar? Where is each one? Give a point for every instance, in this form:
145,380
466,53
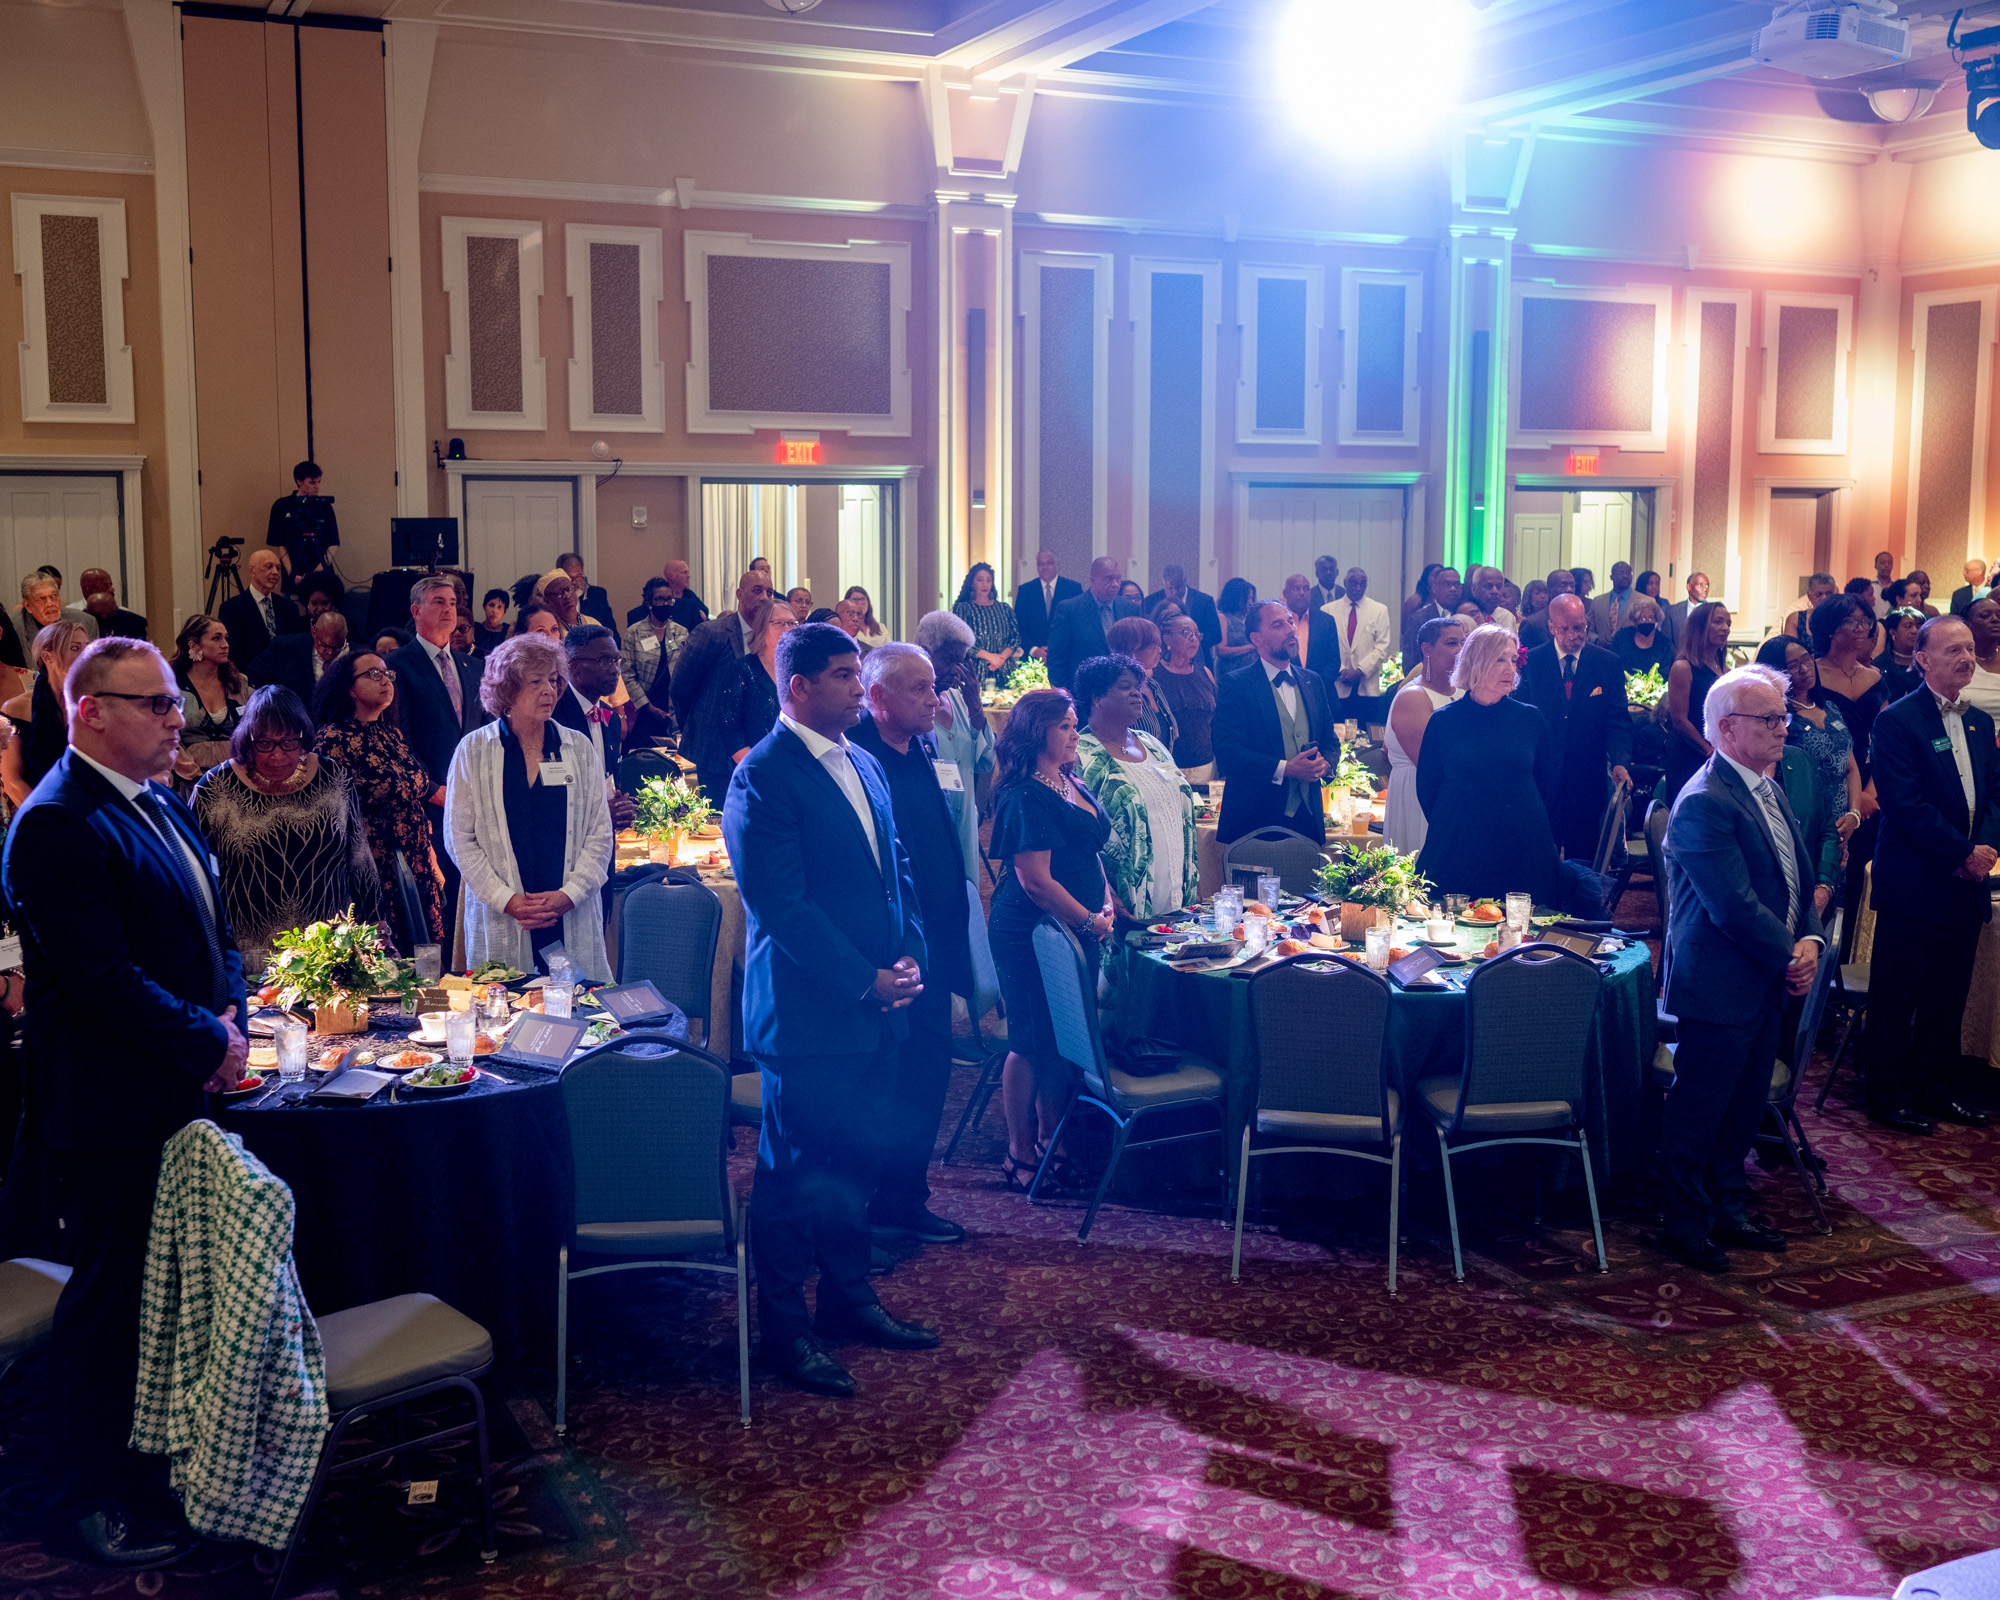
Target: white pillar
1885,193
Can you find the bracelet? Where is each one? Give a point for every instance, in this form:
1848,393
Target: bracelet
1849,812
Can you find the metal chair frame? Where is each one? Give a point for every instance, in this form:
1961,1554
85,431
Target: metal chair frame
1782,1107
985,996
1854,1010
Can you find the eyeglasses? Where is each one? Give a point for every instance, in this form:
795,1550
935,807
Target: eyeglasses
270,747
379,674
1773,720
158,704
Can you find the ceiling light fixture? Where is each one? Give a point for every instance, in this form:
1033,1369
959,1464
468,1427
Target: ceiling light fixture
792,6
1904,102
1365,73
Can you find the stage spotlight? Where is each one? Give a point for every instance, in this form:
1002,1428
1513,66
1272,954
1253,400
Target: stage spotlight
1982,80
1365,73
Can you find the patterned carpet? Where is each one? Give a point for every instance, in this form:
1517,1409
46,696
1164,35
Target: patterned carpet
1117,1419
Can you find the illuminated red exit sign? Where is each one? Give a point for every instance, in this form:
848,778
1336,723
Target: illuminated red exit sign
798,453
1581,466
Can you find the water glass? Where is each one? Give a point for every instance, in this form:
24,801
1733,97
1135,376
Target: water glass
290,1035
1256,932
1268,890
430,964
460,1029
1375,945
1519,908
556,999
1457,905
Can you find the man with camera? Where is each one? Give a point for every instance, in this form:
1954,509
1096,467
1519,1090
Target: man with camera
302,523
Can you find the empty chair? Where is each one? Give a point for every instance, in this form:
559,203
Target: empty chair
1850,995
647,1121
1322,1078
410,907
668,932
1611,831
1528,1019
1786,1075
989,1034
1120,1095
1293,857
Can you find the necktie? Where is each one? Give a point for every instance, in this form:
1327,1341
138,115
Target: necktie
1284,680
449,673
1569,675
1781,841
270,614
1953,708
1353,616
150,807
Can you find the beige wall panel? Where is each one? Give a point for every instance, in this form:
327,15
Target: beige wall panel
66,82
347,270
235,313
628,556
288,293
1951,215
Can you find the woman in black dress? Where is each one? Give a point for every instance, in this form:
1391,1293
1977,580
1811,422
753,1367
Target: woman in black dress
1486,763
1188,690
1694,673
1047,832
750,702
1898,660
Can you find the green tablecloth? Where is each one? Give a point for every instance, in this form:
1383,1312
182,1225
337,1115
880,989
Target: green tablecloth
1209,1013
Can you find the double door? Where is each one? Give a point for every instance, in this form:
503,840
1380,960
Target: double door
1292,525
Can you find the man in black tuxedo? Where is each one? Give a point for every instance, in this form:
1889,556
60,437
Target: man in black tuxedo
700,686
897,729
1579,688
1744,935
1272,721
134,985
261,613
1970,590
1175,587
300,660
1035,604
1077,630
833,961
1937,777
437,704
592,652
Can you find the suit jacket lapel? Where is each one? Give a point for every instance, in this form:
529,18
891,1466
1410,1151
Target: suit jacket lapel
1934,734
837,797
1733,785
138,822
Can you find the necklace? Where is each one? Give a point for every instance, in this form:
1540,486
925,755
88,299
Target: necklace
1062,788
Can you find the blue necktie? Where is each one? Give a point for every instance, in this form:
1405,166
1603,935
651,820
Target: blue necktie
150,807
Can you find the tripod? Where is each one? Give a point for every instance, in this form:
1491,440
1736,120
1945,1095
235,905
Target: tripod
223,578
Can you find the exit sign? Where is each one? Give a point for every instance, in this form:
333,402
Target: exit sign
798,453
1580,465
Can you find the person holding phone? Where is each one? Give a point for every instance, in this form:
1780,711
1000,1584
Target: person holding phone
1272,723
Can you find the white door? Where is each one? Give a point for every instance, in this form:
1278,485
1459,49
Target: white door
1789,556
1536,548
69,523
1601,535
1290,527
514,526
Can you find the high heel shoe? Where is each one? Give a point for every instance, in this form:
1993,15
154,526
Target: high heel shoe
1059,1172
1017,1175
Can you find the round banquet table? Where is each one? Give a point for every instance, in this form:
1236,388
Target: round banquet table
1209,1013
463,1196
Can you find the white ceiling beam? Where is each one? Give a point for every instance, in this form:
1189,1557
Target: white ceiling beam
1086,37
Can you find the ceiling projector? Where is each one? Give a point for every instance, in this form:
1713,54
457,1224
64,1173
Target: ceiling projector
1832,38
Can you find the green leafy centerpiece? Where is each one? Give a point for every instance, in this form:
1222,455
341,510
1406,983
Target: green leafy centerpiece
334,966
1349,781
666,811
1028,674
1645,689
1371,885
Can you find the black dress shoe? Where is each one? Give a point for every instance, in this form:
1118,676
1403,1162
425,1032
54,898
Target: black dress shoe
1747,1235
1956,1111
1900,1121
873,1325
926,1225
880,1262
113,1539
1704,1255
805,1364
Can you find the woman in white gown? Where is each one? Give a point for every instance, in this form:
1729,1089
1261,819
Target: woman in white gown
1410,711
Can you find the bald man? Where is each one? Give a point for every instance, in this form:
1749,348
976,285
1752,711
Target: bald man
1077,630
701,677
1035,603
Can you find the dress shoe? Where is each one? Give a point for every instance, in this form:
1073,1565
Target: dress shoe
1900,1121
1956,1111
1747,1235
805,1364
114,1539
1704,1255
873,1325
880,1262
926,1225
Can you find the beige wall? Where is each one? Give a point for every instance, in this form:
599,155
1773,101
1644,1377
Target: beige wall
67,83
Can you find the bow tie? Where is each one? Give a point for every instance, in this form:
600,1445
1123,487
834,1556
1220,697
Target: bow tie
1282,680
1954,708
601,714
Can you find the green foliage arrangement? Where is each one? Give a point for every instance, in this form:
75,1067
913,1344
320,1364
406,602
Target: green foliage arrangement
1028,674
1349,774
1645,689
331,963
1374,876
670,805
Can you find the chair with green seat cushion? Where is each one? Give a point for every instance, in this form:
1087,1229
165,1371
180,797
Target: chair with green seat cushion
1529,1013
1122,1096
648,1124
1322,1077
667,934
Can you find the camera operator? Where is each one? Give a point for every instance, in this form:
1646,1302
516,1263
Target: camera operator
302,524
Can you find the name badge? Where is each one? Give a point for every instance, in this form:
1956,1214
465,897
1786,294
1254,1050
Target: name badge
649,642
948,777
1942,746
557,774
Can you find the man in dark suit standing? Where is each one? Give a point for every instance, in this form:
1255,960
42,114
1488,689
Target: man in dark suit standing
833,961
1271,723
1676,620
1970,590
1579,688
592,652
701,684
300,660
1035,603
1175,587
1744,935
113,894
261,613
1077,630
437,703
1937,776
1446,591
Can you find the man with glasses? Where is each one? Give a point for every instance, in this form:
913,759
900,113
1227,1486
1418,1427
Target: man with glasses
120,918
1743,935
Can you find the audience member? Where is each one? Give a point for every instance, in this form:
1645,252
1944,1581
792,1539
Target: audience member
1048,831
1922,580
1885,566
903,710
389,640
1035,603
996,635
701,682
488,633
1579,688
284,826
1149,859
1534,602
1677,613
260,613
38,715
1187,690
1438,594
1363,641
1486,762
1310,627
1610,611
826,614
869,632
1820,588
1510,596
41,606
1701,661
1642,643
299,660
216,693
750,709
1484,587
1863,590
1133,593
100,599
1140,639
963,738
800,600
834,960
535,617
1820,734
1273,721
1232,609
560,596
590,656
1939,845
1898,661
532,861
851,617
592,602
653,644
1326,582
1583,580
1176,590
1970,590
1078,628
1983,688
1428,688
684,605
1843,643
1744,933
391,784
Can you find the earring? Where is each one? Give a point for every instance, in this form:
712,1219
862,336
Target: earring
194,655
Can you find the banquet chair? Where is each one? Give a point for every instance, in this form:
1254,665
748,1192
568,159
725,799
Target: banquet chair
648,1117
1666,1024
1611,831
1850,994
988,1049
1122,1096
1529,1013
1322,1077
410,907
29,1289
1293,857
668,932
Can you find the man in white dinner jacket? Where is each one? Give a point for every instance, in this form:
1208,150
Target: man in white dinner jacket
1362,630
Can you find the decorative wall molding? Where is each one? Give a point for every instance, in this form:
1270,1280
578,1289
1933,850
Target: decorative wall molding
15,155
1353,281
1769,439
1982,410
1691,339
683,196
1254,424
1144,269
78,369
578,240
704,417
1032,264
532,413
1529,431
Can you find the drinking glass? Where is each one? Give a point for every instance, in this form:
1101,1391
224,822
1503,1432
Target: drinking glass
290,1036
1268,890
1457,905
1375,945
1519,907
556,999
460,1028
1256,932
430,964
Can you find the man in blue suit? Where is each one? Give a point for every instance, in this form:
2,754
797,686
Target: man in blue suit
134,985
1744,934
833,960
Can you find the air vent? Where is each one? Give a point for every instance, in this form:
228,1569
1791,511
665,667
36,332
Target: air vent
1826,25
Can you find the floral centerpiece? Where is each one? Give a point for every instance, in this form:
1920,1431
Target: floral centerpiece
334,966
1028,674
1370,885
1645,689
666,811
1350,780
